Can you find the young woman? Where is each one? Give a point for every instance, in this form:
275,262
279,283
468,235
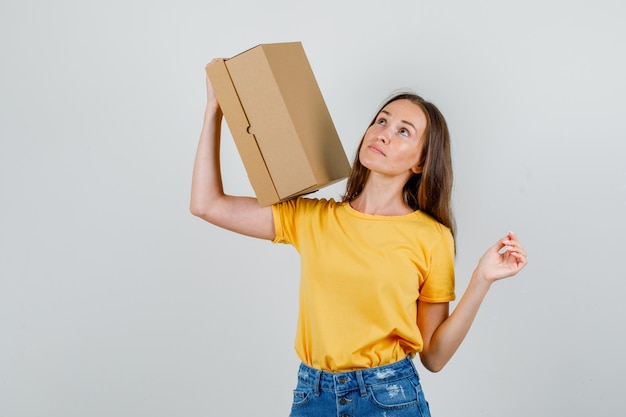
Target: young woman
377,269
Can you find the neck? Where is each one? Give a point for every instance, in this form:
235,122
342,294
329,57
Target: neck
382,198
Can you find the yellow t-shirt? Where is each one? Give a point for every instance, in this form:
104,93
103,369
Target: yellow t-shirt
361,276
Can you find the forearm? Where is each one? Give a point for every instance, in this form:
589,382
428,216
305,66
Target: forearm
206,185
450,334
443,334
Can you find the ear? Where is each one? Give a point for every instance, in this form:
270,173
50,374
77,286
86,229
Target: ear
417,169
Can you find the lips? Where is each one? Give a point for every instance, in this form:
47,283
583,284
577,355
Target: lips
376,149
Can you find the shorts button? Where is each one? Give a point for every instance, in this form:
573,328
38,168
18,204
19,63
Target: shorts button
343,401
342,379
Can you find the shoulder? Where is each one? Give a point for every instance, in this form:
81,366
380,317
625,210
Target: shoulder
305,207
430,223
307,204
433,232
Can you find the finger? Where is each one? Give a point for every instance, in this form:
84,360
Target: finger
504,249
516,246
505,244
515,251
520,257
511,240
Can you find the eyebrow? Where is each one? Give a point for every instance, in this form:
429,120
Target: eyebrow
403,121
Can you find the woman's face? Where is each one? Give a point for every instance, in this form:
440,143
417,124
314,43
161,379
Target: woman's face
393,144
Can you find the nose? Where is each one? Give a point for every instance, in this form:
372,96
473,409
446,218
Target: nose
385,134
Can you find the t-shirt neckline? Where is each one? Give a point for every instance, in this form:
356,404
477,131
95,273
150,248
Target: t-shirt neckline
354,212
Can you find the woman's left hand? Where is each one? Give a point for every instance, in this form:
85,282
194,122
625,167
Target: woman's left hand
504,259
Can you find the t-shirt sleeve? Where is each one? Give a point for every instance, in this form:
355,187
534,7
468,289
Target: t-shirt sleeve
295,220
286,215
438,286
283,214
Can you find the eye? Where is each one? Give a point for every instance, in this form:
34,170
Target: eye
382,122
405,132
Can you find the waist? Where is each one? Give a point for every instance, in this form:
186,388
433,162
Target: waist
349,380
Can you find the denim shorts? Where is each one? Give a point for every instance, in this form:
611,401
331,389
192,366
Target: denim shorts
391,391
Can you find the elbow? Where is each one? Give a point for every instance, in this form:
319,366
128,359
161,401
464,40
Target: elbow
434,365
434,368
207,205
196,210
213,210
202,211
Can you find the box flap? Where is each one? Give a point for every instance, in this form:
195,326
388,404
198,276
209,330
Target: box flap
238,123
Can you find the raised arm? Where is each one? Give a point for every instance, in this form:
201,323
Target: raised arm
208,201
442,334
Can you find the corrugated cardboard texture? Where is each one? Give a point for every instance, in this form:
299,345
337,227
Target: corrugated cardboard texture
279,120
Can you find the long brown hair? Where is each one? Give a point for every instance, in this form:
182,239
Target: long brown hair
431,190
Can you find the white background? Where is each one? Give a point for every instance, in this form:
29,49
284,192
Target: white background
115,301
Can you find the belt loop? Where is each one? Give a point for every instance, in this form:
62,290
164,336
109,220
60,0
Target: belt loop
410,360
359,378
317,382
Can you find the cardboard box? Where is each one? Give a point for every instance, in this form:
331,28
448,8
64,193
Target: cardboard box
280,123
